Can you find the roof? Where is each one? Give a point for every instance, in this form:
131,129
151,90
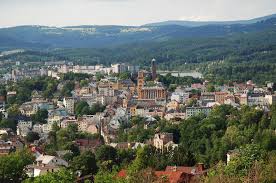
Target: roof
172,177
179,169
44,167
174,174
88,142
122,173
45,158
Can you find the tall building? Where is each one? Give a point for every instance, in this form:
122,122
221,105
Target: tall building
141,81
153,69
18,74
69,103
119,68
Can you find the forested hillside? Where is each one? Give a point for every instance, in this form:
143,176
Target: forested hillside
222,53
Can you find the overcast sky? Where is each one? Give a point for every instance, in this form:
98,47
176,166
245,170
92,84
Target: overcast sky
127,12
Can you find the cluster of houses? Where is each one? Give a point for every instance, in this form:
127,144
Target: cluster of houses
124,99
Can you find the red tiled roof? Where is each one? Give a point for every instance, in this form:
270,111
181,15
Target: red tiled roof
172,177
187,170
171,173
122,173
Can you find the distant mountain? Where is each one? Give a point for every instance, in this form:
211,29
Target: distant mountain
203,23
43,37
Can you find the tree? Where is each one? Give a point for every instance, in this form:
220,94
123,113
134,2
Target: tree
108,177
191,102
62,176
67,89
12,166
145,157
85,163
8,123
241,164
97,108
146,175
40,116
211,88
83,83
82,108
107,156
32,136
124,75
13,111
51,87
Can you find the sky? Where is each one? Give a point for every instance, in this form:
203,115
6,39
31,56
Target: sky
127,12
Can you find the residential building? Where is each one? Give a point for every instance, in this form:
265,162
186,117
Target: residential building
175,174
45,164
88,144
271,99
18,74
89,124
119,68
257,99
220,97
175,116
192,111
161,139
23,128
173,105
6,148
180,97
69,103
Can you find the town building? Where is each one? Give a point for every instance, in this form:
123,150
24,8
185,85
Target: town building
271,99
163,141
180,97
152,93
192,111
45,164
6,148
220,97
18,74
173,105
23,128
69,103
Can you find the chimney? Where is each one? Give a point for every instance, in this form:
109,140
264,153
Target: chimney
200,167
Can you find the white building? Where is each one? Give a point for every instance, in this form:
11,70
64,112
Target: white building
69,103
23,127
45,164
38,128
119,68
192,111
164,141
271,99
257,99
180,97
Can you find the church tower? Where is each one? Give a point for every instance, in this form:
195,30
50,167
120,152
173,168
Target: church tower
153,69
141,82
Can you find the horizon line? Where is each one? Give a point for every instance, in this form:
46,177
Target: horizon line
141,25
